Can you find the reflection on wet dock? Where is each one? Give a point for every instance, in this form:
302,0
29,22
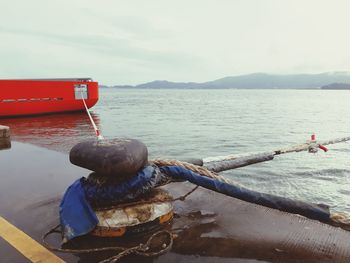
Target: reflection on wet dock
209,227
56,131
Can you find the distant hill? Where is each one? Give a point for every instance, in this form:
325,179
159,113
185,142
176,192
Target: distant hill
254,81
337,86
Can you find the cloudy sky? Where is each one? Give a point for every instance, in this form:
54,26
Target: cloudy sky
131,42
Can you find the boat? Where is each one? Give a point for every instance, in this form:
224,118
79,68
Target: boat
20,97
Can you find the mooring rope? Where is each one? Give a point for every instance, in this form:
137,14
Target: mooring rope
337,219
143,202
97,131
194,168
341,219
311,145
143,249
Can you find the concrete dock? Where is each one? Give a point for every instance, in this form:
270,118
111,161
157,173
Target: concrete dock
210,227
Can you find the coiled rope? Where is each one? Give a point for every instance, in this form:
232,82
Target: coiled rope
141,249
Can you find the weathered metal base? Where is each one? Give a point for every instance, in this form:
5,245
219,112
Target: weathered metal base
140,216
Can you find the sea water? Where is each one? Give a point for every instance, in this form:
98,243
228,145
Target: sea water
184,123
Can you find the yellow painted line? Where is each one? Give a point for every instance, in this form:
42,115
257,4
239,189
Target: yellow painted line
27,246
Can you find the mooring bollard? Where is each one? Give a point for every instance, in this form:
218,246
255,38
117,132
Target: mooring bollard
5,142
115,158
4,131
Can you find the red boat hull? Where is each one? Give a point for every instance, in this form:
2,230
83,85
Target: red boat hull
31,97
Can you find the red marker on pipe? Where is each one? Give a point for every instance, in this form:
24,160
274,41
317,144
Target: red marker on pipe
324,148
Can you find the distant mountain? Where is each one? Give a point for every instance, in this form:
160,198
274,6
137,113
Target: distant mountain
254,81
160,84
337,86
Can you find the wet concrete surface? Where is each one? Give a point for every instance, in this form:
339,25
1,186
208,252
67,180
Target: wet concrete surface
10,254
209,227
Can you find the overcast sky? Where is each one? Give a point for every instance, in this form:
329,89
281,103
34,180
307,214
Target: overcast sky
131,42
